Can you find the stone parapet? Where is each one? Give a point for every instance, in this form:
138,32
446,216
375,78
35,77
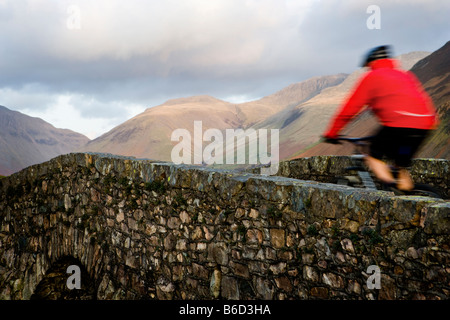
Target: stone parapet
150,230
326,168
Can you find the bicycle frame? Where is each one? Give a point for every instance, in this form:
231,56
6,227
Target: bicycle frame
358,159
365,178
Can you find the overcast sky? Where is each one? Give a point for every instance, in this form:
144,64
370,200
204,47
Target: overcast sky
90,65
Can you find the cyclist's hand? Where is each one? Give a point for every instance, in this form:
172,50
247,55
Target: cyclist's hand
331,140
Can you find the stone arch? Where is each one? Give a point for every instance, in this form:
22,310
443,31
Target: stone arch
50,253
53,285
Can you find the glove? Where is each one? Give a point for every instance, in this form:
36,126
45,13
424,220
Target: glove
331,140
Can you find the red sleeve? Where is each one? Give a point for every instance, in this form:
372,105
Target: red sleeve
351,107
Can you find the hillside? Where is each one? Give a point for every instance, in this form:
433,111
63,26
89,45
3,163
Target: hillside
300,111
26,140
255,112
148,135
434,73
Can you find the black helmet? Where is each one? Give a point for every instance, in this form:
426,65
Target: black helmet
381,52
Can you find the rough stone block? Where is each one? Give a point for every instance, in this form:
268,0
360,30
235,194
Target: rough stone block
277,237
229,288
437,218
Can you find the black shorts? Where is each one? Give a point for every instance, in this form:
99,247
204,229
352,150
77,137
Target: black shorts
397,144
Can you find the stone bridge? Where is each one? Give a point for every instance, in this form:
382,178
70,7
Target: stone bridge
140,229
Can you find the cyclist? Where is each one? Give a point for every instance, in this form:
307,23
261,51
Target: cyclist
400,103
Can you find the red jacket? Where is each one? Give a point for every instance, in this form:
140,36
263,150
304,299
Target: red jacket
395,96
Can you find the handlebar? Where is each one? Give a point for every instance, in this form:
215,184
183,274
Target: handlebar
355,139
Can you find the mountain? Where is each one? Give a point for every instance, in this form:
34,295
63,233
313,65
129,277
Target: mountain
26,140
434,73
300,111
148,135
286,98
326,105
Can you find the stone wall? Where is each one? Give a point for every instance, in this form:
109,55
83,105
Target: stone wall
326,168
147,230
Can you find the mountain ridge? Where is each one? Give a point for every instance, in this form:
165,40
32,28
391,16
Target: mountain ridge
26,140
148,134
300,111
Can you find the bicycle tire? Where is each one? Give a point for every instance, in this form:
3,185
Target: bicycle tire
342,181
427,190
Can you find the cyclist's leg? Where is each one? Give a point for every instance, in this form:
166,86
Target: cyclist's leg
404,180
410,143
378,149
380,169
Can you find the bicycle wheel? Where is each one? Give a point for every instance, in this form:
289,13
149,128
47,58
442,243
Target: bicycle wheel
427,190
342,181
351,181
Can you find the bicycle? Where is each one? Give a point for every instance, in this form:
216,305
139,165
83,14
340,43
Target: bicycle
360,177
